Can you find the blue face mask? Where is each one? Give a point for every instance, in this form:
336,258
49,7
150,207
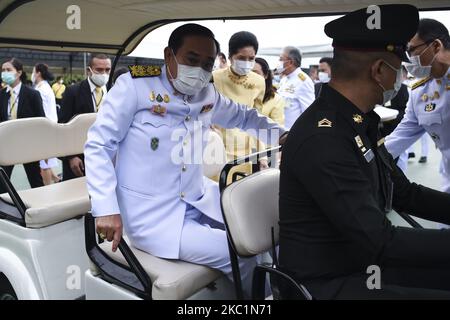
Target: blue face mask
9,77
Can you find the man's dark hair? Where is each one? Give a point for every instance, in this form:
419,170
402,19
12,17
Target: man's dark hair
294,55
241,40
191,29
430,29
100,56
326,60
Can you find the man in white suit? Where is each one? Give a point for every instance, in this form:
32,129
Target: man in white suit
150,122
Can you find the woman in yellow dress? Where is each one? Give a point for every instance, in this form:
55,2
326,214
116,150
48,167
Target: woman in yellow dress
239,83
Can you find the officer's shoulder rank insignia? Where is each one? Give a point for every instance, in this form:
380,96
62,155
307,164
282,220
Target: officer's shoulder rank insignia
207,108
357,118
420,83
154,143
324,123
159,110
430,107
139,71
301,76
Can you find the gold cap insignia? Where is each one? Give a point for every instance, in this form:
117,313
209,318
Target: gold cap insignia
357,118
324,123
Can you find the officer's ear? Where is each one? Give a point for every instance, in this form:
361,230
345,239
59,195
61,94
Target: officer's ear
437,46
375,70
167,54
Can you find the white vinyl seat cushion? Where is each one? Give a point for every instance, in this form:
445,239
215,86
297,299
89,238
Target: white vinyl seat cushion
171,279
250,208
54,203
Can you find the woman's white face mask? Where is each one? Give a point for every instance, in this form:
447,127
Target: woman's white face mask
189,80
242,67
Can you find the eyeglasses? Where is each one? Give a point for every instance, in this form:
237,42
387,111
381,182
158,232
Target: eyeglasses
410,50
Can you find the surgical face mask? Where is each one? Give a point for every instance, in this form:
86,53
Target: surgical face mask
33,78
280,67
324,77
99,79
391,93
416,68
242,67
189,80
9,77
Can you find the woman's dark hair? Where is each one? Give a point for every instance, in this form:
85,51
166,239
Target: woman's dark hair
45,73
270,90
18,65
241,40
191,29
430,29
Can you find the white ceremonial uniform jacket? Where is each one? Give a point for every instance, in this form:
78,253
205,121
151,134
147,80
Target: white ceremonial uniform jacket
428,110
297,89
158,170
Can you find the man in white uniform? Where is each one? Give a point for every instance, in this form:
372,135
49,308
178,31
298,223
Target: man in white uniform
296,87
153,120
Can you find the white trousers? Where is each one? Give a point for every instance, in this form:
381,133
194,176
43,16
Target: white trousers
204,241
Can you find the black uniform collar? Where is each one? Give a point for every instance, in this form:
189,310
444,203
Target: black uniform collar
363,123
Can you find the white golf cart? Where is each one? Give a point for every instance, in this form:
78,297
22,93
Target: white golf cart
42,253
41,234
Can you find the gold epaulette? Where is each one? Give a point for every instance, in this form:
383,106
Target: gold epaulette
144,71
420,82
301,76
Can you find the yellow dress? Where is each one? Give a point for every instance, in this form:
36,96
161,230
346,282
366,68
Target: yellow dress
248,90
273,108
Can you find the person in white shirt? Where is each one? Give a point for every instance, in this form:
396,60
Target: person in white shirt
296,87
40,78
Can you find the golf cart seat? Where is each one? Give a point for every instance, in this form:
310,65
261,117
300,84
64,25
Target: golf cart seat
54,203
171,279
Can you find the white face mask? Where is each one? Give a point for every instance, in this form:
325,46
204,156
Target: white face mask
189,80
416,68
99,79
242,67
391,93
33,78
280,67
324,77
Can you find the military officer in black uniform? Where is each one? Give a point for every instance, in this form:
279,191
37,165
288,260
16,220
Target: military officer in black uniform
338,181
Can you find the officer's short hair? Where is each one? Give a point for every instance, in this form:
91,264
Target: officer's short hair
100,56
191,29
351,65
295,55
241,40
430,29
326,60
